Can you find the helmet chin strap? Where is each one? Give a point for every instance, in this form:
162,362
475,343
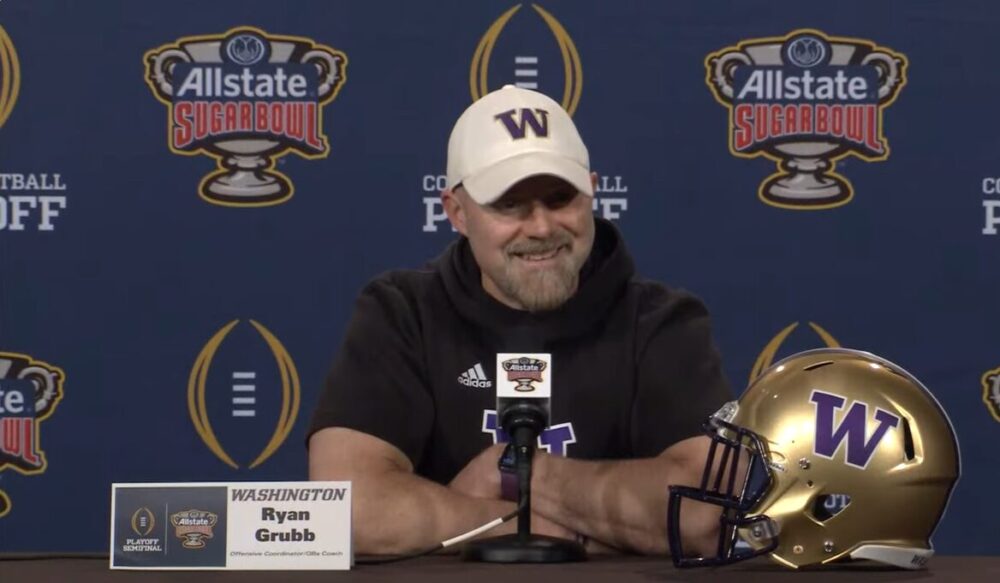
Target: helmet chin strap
903,557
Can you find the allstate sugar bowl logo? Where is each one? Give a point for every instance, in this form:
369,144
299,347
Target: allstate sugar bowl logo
30,390
806,100
194,527
991,391
246,97
524,371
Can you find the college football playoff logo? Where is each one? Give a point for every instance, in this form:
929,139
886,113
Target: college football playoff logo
527,65
767,355
246,97
10,76
239,395
143,521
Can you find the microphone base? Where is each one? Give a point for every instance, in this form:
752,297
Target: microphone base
536,548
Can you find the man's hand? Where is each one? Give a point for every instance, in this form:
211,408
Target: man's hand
395,511
480,478
623,503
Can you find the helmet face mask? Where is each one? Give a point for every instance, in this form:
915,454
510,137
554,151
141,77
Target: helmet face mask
829,455
742,477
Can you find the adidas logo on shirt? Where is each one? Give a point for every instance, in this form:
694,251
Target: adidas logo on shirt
475,377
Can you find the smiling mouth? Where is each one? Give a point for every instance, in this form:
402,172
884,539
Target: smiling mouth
539,257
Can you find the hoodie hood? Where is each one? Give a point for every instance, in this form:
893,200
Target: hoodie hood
603,279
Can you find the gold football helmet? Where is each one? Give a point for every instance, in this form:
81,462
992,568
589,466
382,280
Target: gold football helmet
829,455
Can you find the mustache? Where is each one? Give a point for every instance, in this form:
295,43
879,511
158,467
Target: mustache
535,246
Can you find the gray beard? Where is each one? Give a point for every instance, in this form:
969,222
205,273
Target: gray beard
545,290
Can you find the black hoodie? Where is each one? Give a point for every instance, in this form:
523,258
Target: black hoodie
634,369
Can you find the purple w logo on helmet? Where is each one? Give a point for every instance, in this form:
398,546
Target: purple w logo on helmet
537,118
852,428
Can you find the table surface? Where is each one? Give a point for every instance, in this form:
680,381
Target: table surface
451,568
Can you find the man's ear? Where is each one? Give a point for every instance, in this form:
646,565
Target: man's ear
593,180
454,206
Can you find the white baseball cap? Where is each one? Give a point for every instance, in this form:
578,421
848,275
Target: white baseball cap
509,135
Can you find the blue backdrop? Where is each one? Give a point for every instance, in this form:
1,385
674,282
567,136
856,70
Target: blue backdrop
185,337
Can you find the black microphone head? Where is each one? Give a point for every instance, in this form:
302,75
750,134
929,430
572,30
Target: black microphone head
527,413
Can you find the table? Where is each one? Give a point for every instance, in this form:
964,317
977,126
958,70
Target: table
451,569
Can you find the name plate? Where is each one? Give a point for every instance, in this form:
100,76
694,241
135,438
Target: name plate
235,525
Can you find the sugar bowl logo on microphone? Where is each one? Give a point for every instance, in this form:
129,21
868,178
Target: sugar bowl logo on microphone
805,101
524,371
246,98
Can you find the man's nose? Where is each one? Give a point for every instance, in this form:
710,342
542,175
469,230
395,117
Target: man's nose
539,223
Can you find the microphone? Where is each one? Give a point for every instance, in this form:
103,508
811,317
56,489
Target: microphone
524,390
523,403
524,393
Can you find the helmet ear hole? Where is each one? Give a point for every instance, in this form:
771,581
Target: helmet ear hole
826,506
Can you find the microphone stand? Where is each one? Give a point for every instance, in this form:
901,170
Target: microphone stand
523,455
524,547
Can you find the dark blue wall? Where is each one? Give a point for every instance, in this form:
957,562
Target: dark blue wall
139,272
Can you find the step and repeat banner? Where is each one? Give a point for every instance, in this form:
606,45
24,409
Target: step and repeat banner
192,193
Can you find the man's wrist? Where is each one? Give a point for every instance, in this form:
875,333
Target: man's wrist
508,475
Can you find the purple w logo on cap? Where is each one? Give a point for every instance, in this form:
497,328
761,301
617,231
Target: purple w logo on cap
537,118
852,427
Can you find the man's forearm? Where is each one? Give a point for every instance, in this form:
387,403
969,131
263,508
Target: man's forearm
622,502
398,512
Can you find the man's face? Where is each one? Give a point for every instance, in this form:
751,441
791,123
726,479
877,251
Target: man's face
530,243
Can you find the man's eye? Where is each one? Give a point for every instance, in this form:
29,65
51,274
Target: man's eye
506,205
560,199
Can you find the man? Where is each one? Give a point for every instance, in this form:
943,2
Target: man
407,414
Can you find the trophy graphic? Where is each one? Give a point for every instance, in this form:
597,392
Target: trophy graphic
805,177
524,371
194,527
247,98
